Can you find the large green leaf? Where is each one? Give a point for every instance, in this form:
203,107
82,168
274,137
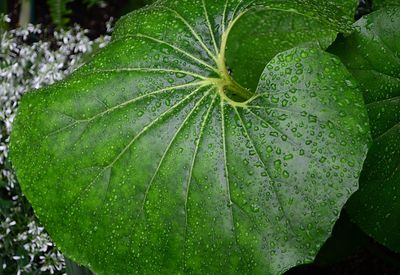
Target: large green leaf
152,159
373,55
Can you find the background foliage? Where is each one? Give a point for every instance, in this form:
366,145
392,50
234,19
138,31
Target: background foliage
60,11
29,61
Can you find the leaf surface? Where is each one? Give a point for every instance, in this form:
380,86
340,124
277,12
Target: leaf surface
379,4
153,159
373,56
268,33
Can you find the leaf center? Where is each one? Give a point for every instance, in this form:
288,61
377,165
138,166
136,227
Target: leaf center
227,87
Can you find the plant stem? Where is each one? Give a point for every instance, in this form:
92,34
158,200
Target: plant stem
25,13
229,82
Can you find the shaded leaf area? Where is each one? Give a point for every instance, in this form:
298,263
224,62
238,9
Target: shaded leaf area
140,162
364,8
75,269
349,251
346,240
372,55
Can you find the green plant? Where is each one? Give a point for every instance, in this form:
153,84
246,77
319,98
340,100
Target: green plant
207,137
371,53
379,4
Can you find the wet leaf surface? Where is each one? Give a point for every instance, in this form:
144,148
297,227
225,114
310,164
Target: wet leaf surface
379,4
153,159
373,56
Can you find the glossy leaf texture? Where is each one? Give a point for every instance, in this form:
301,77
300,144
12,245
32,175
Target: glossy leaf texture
151,159
269,33
373,56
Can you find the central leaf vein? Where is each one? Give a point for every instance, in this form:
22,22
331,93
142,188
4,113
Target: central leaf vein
227,183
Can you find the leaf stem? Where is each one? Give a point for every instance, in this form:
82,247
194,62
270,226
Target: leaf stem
227,81
25,13
232,85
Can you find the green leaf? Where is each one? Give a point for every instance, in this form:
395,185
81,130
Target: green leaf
348,6
379,4
372,55
270,38
74,269
152,159
269,33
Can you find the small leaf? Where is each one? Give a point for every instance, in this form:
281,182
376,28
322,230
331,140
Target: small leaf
152,159
372,54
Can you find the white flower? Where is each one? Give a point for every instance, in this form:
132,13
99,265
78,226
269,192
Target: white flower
25,67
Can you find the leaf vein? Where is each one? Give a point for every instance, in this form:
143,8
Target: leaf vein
203,124
163,70
144,130
210,27
194,33
387,131
169,146
293,142
382,101
269,176
78,121
228,191
177,49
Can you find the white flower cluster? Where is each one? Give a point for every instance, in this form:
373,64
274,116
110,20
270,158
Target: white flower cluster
29,60
39,252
